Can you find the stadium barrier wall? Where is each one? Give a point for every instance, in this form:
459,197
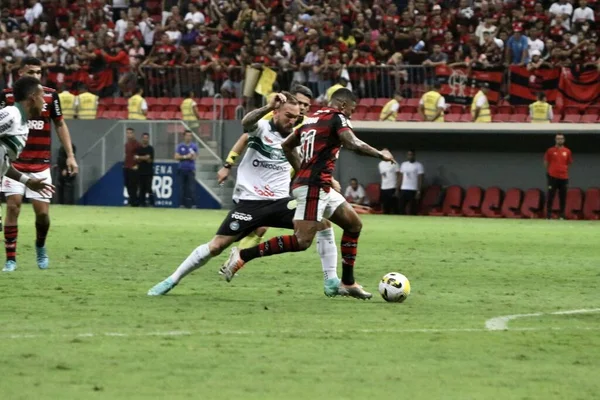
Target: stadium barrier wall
504,155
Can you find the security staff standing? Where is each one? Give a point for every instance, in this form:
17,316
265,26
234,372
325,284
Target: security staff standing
389,112
432,105
480,108
144,157
137,106
557,160
68,103
87,104
541,111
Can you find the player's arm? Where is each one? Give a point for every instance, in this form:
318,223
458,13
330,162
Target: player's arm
238,148
37,185
63,134
289,148
351,142
251,119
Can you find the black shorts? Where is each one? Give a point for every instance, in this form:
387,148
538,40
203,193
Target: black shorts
556,182
247,215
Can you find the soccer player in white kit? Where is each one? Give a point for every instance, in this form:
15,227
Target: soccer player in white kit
29,102
261,194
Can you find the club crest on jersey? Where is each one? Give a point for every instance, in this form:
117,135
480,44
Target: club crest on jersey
276,154
234,226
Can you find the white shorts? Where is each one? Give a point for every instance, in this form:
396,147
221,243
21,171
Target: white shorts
314,203
11,187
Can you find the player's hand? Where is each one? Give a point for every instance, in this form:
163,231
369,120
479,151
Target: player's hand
72,167
222,175
277,100
385,155
38,185
335,185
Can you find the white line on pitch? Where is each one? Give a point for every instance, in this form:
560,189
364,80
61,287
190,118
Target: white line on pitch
501,323
280,332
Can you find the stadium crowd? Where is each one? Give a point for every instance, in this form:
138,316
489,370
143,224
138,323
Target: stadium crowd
111,45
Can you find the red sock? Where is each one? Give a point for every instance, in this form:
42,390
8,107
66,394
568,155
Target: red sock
10,242
276,245
349,249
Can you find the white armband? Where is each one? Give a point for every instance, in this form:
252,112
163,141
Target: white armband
24,179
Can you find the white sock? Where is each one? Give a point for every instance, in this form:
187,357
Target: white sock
198,258
327,250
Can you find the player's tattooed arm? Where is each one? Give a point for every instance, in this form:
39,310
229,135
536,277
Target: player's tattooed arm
351,142
251,119
289,148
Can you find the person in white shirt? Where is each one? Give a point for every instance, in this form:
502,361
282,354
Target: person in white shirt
194,15
411,182
121,26
390,188
534,42
33,12
563,8
355,194
583,13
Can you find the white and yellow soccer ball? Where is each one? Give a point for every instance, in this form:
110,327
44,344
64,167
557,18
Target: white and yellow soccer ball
394,287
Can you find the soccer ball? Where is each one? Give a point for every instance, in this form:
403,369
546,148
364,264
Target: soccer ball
394,287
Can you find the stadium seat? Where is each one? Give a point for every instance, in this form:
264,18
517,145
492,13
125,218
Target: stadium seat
574,207
455,109
505,109
556,118
176,101
153,115
466,117
589,119
452,202
359,108
532,206
114,107
167,115
106,115
521,110
571,118
592,110
403,117
472,204
375,109
409,109
373,192
234,102
571,110
492,202
412,102
452,118
511,206
367,102
381,102
107,101
372,116
416,117
518,118
206,104
501,118
121,101
591,205
432,197
358,116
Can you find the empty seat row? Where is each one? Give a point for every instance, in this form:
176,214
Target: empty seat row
495,203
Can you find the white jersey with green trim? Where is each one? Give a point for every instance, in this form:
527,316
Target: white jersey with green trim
264,173
13,131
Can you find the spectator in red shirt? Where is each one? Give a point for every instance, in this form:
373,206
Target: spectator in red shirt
557,161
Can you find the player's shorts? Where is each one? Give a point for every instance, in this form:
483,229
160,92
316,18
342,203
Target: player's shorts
247,215
314,203
11,187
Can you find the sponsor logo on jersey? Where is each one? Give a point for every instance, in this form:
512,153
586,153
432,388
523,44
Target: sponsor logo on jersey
264,164
241,216
311,120
264,191
268,140
35,125
6,127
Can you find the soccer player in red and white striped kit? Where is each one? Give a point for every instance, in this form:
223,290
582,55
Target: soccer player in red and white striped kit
35,161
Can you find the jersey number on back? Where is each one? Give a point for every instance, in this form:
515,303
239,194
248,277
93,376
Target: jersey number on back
307,145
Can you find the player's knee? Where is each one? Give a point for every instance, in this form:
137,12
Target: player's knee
13,209
217,245
325,224
304,243
260,232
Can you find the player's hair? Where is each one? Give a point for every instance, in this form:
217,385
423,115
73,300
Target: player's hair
303,90
290,98
30,61
25,87
343,95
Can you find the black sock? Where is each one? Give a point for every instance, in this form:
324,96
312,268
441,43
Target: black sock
347,274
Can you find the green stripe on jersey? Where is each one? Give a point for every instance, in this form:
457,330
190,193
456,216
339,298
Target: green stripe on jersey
12,143
266,150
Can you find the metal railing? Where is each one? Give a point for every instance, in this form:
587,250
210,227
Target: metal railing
164,137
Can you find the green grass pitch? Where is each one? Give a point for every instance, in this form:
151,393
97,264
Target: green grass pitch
85,329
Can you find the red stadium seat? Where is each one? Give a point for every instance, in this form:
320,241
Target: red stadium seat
455,109
591,205
452,118
234,102
532,206
178,115
518,118
375,109
501,118
521,110
466,118
176,101
107,101
373,192
589,119
493,109
574,206
372,116
412,102
572,118
416,117
492,201
571,110
409,109
167,115
594,110
556,118
452,202
472,205
403,117
358,116
359,108
368,102
156,107
106,115
381,102
121,101
511,206
122,115
506,109
206,104
114,107
430,199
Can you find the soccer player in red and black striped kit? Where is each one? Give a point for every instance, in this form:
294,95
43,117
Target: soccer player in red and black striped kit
557,160
35,161
320,139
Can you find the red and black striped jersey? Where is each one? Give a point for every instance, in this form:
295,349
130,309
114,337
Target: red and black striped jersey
36,154
320,147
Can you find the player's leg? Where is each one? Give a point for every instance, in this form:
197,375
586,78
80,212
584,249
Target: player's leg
402,202
231,228
550,196
14,192
41,208
309,211
562,196
254,238
328,254
346,218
